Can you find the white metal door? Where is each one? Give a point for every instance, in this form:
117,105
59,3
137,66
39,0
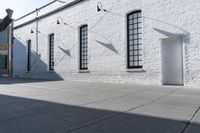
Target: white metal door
172,56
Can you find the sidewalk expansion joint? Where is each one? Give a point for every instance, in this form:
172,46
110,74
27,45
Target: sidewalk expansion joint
189,122
118,113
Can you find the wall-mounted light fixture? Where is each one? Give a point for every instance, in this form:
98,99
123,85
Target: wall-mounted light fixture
32,31
100,7
60,20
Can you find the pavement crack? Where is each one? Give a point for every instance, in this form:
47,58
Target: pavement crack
153,101
92,122
189,122
114,98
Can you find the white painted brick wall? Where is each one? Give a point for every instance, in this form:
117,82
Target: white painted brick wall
173,16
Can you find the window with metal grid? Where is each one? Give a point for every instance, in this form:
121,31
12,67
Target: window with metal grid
29,55
134,32
51,52
84,47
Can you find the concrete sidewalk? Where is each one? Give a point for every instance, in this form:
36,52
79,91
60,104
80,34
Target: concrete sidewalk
31,106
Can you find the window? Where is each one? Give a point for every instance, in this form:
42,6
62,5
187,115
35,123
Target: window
134,38
29,55
3,62
51,52
84,47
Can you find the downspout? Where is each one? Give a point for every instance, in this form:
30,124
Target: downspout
37,41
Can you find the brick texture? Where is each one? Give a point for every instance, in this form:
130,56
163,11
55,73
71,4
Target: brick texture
107,41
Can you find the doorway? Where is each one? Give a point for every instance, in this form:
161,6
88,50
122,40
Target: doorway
172,61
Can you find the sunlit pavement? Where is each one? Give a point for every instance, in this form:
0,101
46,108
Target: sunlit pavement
30,106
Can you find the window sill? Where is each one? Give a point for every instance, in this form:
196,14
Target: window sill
135,70
83,71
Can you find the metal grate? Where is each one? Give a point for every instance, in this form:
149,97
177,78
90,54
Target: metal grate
84,47
29,55
51,52
134,32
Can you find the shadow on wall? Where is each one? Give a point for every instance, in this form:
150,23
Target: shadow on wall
108,46
186,36
66,51
39,68
24,115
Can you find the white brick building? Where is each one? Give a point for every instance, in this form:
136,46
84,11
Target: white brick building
133,41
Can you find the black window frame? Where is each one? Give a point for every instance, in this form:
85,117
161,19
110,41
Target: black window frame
83,33
29,55
51,51
5,62
134,31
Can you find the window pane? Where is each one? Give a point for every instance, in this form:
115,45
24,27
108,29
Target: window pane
139,14
135,15
131,48
131,63
140,57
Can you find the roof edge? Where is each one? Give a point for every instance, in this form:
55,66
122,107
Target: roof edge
36,10
49,13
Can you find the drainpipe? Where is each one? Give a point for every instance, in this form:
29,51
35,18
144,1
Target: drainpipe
36,38
37,41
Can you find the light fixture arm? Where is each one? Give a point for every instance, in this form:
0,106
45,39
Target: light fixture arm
33,30
100,7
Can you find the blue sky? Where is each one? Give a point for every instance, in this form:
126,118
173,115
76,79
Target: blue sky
21,7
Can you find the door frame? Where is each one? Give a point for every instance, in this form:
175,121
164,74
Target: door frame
183,59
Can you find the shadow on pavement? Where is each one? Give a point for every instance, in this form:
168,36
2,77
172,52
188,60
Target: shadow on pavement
21,115
20,81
